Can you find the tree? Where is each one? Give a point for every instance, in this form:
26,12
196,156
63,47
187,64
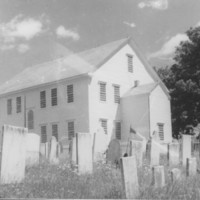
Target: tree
183,81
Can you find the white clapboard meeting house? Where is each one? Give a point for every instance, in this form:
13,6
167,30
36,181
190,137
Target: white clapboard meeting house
111,86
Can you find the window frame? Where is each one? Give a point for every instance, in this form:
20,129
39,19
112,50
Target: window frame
69,135
9,106
30,122
102,94
55,134
130,63
41,134
70,93
102,120
43,102
54,97
120,131
116,95
18,104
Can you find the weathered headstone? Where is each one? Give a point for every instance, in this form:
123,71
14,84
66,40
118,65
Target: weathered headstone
186,148
44,149
100,144
13,154
84,153
114,152
130,177
153,152
191,166
158,176
175,174
53,154
32,149
173,154
73,151
136,147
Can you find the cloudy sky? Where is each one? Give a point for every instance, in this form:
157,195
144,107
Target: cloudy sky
33,31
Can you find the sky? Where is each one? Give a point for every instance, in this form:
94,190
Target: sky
35,31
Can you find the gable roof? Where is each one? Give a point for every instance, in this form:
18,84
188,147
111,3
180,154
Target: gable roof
71,66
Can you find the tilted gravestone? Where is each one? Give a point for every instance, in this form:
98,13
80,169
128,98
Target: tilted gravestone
186,148
129,176
136,147
173,154
84,153
32,149
114,152
158,179
13,154
53,154
191,166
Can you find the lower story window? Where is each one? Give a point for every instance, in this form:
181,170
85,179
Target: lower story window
71,132
161,131
118,130
104,125
43,134
55,131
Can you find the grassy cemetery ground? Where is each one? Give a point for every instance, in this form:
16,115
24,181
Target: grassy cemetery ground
60,181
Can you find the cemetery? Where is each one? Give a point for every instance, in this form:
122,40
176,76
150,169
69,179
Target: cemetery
80,169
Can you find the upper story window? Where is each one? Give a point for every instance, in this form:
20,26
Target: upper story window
43,99
71,132
70,93
18,104
30,119
104,125
55,131
43,134
9,106
161,131
118,130
102,91
54,97
130,63
116,93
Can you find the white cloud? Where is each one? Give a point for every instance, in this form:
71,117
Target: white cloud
62,32
132,25
156,4
22,48
169,47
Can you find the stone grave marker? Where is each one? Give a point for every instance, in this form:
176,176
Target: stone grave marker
64,154
32,149
73,153
53,154
84,153
44,149
136,147
13,156
129,176
100,144
175,174
114,152
191,166
158,176
173,154
186,148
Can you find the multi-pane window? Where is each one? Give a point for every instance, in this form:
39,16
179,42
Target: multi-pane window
102,91
70,93
161,131
18,104
43,134
54,97
30,120
116,94
55,130
43,99
71,132
130,63
9,106
104,125
118,130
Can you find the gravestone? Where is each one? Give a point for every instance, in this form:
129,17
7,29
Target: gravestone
125,147
136,147
32,149
114,152
130,177
173,154
158,176
73,151
13,156
175,174
44,149
186,148
53,154
64,150
191,166
84,153
153,152
100,144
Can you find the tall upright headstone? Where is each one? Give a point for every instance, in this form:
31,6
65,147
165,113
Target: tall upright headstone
130,177
186,148
53,154
136,147
158,176
175,174
84,153
13,156
173,153
191,166
32,149
73,151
